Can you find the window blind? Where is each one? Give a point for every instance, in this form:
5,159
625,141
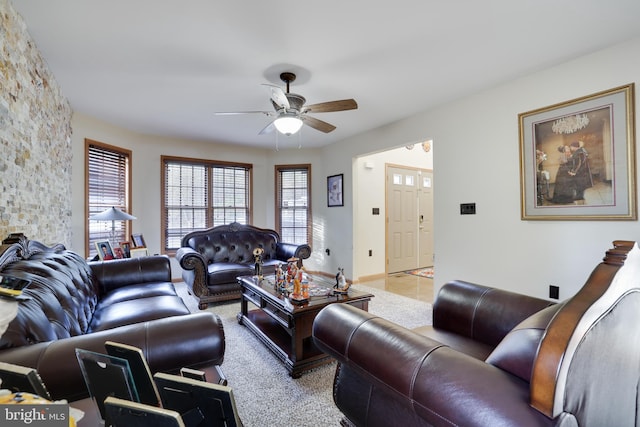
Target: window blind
293,210
107,178
186,200
199,195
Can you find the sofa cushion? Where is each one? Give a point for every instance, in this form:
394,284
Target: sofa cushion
117,273
517,351
227,272
134,292
468,346
136,311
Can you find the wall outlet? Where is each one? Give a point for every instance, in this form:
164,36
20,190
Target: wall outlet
554,291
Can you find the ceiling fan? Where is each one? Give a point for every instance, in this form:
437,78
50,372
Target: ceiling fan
290,112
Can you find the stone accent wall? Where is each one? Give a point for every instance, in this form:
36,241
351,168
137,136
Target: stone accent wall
35,139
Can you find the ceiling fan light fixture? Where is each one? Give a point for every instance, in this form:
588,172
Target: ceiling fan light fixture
287,124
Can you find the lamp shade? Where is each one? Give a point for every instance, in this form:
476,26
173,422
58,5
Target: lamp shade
288,124
112,214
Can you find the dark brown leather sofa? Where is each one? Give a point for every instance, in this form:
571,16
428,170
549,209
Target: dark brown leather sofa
212,259
74,304
576,363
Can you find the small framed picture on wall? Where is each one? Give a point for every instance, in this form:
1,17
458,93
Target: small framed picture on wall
334,191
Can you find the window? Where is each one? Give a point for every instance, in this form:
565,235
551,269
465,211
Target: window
199,194
108,180
293,206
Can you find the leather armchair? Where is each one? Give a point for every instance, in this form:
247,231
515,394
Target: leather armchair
576,363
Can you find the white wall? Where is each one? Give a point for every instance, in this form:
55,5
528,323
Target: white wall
476,159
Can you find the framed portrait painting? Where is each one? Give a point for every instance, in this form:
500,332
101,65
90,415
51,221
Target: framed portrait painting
118,252
105,250
334,191
577,158
126,249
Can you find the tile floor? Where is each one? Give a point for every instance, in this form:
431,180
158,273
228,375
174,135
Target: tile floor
407,285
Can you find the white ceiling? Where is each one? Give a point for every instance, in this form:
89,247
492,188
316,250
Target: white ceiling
165,66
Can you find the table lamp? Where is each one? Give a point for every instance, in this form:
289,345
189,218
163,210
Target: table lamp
112,214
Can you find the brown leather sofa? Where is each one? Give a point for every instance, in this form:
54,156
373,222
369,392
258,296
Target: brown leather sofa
74,304
212,259
576,363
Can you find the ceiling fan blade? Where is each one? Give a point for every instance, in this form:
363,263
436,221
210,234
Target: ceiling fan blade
233,113
278,97
327,107
317,124
267,129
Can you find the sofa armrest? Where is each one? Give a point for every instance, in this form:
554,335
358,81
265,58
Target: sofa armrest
195,274
482,313
418,380
130,271
195,340
284,251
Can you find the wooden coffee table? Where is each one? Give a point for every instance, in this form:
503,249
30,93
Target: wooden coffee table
284,326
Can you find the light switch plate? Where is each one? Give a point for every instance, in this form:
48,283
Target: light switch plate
467,208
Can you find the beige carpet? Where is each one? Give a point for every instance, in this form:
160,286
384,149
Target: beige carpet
265,393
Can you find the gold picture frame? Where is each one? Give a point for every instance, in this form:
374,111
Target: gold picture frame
139,252
577,158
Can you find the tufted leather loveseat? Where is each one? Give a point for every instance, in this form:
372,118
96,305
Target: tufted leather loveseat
212,259
74,304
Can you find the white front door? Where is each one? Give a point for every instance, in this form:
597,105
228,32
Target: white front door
409,218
